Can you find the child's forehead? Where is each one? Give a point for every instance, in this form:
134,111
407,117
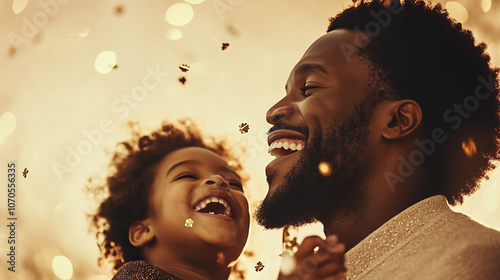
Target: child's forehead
194,156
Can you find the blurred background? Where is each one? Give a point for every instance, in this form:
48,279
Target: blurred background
74,72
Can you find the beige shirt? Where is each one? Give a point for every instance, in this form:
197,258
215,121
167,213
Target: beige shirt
427,241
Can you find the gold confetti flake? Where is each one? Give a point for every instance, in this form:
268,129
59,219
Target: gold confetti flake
225,45
189,223
221,259
244,128
259,266
325,169
119,9
25,172
469,147
184,67
182,80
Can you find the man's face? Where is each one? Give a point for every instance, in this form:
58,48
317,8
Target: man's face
324,117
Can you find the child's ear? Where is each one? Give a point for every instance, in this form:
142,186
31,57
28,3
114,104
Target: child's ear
140,233
405,116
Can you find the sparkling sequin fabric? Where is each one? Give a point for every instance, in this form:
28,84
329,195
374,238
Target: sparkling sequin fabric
427,241
141,270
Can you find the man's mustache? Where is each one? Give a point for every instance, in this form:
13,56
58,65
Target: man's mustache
302,129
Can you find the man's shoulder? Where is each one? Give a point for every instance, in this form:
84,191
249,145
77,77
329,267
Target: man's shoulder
463,230
464,247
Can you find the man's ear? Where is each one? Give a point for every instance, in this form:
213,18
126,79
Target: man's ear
140,233
405,116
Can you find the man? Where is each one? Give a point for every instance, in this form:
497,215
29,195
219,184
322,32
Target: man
387,119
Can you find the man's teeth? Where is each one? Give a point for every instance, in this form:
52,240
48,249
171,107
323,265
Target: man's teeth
202,204
285,145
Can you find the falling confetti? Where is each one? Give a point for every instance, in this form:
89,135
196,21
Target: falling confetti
259,266
115,67
12,51
182,80
220,258
225,45
325,169
25,172
119,10
469,147
244,128
184,67
189,223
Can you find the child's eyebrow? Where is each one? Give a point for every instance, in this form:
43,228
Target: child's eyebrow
181,163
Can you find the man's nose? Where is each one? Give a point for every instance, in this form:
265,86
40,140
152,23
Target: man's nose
278,113
217,180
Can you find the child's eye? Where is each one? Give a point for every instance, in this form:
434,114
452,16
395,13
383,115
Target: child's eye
236,185
186,176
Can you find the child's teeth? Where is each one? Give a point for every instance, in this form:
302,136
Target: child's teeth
286,145
293,146
280,144
299,147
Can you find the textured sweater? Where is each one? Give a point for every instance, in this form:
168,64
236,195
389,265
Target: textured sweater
427,241
141,270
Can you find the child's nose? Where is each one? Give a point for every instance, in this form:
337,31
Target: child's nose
217,180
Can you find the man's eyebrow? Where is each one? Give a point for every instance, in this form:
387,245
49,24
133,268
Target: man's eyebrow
307,68
179,164
310,67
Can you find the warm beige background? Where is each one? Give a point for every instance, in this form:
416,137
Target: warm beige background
50,85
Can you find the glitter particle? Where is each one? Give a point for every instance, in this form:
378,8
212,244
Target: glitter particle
325,169
259,266
469,147
25,172
184,67
189,223
244,128
225,45
182,80
221,259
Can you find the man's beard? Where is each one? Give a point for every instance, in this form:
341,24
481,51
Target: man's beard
305,195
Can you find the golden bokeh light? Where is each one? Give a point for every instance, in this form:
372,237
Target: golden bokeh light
7,125
19,5
325,169
287,264
194,2
179,14
173,34
485,5
62,267
457,11
469,147
105,62
491,197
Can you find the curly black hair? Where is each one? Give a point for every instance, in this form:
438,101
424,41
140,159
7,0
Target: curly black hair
416,51
127,188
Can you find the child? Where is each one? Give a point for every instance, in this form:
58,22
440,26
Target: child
176,210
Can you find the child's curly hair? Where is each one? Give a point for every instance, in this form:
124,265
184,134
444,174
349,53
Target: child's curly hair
128,185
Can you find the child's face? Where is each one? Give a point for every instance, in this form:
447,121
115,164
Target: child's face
187,179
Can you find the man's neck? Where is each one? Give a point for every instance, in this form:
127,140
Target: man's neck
378,207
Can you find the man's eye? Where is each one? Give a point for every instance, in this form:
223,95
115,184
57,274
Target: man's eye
306,90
